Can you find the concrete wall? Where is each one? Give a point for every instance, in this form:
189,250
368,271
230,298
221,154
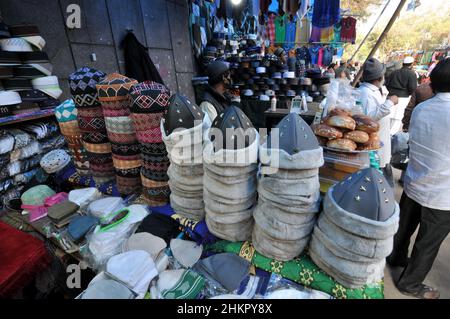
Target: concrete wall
161,25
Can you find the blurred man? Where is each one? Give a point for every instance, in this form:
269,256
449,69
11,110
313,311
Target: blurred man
401,83
426,196
215,98
373,96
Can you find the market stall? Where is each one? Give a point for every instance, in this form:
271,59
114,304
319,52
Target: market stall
160,203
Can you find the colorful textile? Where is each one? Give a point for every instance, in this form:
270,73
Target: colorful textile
271,28
23,257
303,31
290,33
301,270
280,29
348,30
69,174
326,13
197,230
82,85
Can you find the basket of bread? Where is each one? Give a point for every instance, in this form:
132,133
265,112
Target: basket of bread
342,131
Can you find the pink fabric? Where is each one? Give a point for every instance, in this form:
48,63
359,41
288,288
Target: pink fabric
320,59
39,211
271,28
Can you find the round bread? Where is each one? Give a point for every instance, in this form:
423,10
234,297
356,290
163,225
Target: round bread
322,140
327,131
357,136
374,138
342,112
366,124
369,146
342,144
341,121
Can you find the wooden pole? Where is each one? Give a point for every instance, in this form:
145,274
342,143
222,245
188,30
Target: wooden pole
370,31
381,38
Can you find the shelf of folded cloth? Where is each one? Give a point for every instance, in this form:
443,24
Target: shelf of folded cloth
18,118
70,175
301,270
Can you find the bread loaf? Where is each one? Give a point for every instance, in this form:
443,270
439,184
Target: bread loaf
366,124
341,121
357,136
369,146
341,112
322,140
327,131
342,144
374,137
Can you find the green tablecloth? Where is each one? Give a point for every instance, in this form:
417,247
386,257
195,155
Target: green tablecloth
301,270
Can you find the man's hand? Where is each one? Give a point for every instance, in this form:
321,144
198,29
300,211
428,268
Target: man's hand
394,99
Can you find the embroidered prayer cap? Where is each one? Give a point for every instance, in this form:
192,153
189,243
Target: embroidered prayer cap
294,135
82,85
179,284
233,118
366,193
186,252
107,289
66,111
149,97
147,242
54,161
36,195
114,87
181,114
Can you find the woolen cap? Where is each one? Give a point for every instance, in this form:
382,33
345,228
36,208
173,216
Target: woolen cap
372,70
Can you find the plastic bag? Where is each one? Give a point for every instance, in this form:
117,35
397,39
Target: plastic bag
282,288
341,95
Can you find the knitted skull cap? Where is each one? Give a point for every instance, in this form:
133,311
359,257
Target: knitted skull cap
149,97
84,80
114,86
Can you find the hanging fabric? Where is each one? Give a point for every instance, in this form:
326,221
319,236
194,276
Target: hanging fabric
326,13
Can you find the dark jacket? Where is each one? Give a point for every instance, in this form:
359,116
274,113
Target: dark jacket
138,64
219,101
422,93
402,82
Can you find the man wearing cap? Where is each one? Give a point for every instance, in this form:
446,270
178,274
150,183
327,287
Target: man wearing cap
215,98
281,54
426,197
402,83
373,96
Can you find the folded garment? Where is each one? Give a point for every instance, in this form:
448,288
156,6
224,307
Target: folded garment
178,284
62,211
80,226
107,289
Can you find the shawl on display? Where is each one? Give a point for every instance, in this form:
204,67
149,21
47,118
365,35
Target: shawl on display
197,230
326,13
138,63
301,270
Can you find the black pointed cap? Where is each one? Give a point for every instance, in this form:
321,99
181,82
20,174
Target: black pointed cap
232,118
366,193
181,114
294,135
